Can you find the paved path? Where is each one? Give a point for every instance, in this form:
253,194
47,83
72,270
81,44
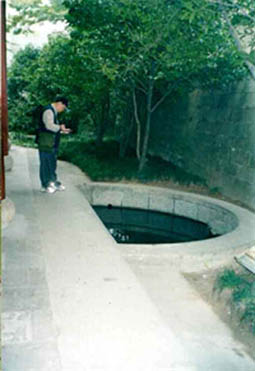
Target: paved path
72,303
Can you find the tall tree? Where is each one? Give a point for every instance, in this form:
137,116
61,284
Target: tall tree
155,47
20,93
152,48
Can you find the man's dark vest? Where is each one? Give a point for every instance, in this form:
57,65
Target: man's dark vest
42,127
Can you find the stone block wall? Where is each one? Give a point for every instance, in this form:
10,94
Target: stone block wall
220,219
212,135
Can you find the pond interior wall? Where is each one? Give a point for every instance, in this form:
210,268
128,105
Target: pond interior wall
211,134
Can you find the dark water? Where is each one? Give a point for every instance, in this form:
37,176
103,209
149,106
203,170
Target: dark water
129,225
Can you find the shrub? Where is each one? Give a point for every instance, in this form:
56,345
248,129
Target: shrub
242,287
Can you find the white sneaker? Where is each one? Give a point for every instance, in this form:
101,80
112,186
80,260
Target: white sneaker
43,190
50,189
52,184
60,187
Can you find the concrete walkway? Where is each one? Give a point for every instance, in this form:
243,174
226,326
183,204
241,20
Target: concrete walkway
71,302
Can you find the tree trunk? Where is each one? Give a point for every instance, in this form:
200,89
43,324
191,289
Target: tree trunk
138,127
124,143
143,157
102,126
126,127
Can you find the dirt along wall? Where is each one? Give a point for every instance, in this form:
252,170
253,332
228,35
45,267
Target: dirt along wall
212,135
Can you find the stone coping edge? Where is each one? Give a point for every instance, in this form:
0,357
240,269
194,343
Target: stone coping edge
235,224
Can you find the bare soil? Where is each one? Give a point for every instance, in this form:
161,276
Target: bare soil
221,304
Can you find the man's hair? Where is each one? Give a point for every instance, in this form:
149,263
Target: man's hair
62,100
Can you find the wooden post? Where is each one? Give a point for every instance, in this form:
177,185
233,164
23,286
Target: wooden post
4,110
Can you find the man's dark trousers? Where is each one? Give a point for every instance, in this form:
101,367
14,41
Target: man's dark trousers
48,165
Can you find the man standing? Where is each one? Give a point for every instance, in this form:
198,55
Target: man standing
48,140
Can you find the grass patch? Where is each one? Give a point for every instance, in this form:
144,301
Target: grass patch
104,163
241,285
24,140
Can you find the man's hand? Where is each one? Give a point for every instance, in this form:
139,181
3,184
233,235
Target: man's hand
64,130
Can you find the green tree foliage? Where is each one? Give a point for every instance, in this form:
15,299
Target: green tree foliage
37,76
239,18
125,57
20,91
29,12
155,48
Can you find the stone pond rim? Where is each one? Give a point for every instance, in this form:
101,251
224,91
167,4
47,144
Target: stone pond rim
234,224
